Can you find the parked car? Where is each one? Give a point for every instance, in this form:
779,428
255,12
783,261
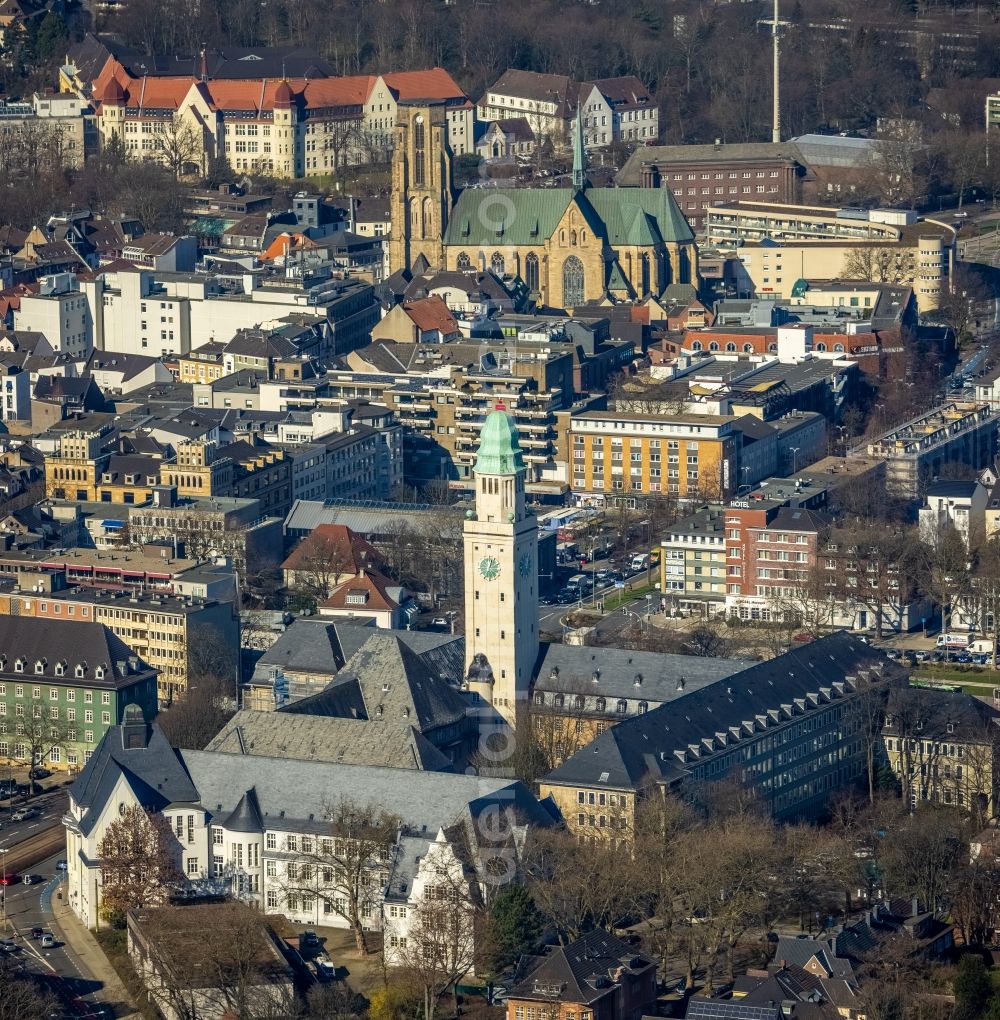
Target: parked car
309,938
7,946
39,772
61,866
48,940
325,967
22,814
921,656
440,622
37,933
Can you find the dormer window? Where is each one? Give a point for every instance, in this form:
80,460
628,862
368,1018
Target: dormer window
356,597
40,666
19,665
99,673
80,672
60,669
951,727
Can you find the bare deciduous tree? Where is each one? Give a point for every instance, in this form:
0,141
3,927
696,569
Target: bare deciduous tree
879,264
442,933
138,862
347,870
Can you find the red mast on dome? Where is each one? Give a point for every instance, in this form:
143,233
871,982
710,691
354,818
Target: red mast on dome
500,405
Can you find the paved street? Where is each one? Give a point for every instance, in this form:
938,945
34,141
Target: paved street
29,906
47,808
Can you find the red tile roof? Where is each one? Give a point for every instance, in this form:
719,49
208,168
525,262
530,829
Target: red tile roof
336,544
372,584
435,83
431,313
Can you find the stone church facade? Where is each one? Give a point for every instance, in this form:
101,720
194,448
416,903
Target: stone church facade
571,245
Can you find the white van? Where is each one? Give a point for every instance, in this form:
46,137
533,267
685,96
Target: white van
981,647
953,641
640,561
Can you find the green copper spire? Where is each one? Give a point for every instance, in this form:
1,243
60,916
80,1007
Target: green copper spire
579,153
499,449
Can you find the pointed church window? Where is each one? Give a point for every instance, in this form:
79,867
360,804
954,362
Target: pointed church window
418,152
531,271
497,263
572,282
463,262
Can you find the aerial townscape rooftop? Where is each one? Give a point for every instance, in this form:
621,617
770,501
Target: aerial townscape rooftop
499,515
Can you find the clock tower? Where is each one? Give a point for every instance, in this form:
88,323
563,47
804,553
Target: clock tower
501,572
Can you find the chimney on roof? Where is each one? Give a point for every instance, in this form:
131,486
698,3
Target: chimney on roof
204,65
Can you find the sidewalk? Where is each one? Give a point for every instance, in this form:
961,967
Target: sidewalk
90,957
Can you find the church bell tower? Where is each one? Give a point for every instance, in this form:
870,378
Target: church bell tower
421,185
501,573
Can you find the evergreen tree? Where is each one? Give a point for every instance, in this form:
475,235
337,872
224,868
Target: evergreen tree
972,987
515,925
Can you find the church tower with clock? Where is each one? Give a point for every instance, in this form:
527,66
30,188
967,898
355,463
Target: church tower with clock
501,573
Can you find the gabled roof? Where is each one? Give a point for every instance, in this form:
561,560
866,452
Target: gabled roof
527,216
308,737
296,795
154,772
952,715
255,343
68,643
395,683
545,88
654,747
518,128
335,544
430,313
584,971
372,587
623,673
435,83
623,93
953,489
621,216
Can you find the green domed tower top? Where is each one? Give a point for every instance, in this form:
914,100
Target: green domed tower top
499,447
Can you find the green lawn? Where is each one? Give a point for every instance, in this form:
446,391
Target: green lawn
623,598
973,681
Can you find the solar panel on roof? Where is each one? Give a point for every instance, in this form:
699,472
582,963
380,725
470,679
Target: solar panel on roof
726,1008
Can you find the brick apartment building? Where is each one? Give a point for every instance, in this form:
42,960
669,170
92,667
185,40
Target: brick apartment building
701,176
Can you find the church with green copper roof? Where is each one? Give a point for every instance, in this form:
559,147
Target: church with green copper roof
570,245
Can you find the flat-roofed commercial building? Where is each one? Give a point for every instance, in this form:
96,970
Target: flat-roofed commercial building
689,455
960,432
779,245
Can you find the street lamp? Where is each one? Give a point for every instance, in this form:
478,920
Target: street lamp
795,450
842,429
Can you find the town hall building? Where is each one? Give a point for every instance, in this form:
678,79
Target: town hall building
571,246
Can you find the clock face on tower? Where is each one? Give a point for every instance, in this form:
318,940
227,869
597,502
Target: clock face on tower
489,567
524,564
